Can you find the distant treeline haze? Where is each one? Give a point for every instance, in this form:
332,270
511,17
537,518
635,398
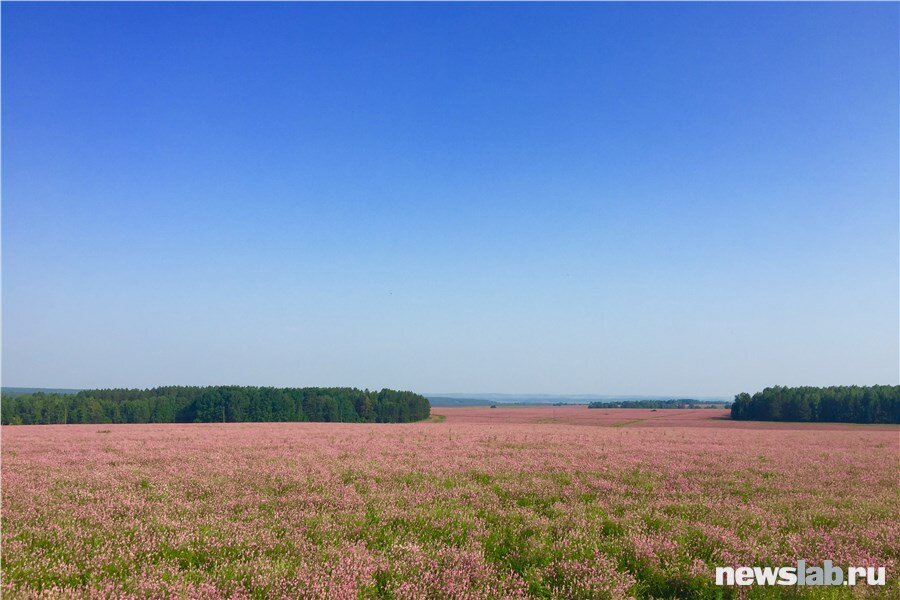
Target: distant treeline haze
215,404
677,403
843,404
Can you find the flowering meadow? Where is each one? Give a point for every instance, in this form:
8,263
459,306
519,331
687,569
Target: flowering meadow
548,502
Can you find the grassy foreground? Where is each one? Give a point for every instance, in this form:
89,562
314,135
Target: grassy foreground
441,509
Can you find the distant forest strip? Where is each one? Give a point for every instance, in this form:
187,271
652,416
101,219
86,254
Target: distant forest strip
839,404
231,404
676,403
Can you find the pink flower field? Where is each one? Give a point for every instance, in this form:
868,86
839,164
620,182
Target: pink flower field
477,503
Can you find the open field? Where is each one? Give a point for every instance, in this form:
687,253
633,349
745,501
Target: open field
630,417
561,502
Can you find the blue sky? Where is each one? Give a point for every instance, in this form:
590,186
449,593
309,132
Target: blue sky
582,198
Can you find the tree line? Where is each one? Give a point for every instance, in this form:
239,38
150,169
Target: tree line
675,403
842,404
182,404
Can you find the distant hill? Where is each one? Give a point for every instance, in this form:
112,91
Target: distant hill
452,401
21,391
656,404
477,399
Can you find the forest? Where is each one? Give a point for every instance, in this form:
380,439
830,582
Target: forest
840,404
180,404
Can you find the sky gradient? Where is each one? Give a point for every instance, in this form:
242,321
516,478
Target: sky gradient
687,199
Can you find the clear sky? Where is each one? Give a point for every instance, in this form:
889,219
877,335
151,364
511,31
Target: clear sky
583,198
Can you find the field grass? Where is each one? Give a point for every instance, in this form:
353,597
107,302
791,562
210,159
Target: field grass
544,502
